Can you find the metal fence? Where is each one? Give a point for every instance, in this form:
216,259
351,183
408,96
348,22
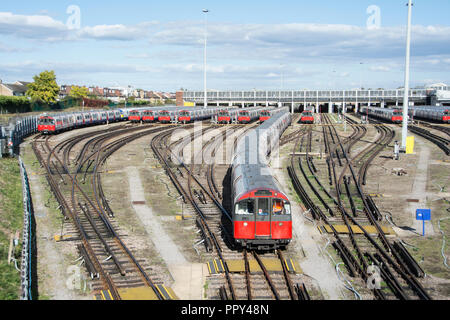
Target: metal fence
28,238
12,134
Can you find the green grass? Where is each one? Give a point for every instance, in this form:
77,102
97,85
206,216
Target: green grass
11,219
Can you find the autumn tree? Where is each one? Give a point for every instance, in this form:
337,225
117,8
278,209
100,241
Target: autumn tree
44,88
79,92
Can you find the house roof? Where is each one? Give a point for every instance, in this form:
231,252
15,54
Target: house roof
16,87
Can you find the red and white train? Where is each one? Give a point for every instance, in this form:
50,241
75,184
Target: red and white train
433,113
55,123
268,113
307,117
387,114
261,217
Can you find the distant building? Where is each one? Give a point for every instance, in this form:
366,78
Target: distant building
18,89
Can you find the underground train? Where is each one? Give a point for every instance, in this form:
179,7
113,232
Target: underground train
57,122
387,114
226,116
433,113
196,114
268,113
261,210
307,117
248,115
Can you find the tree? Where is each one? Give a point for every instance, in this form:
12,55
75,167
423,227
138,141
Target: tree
44,88
79,92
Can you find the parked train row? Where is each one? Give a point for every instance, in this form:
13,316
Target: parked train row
433,113
55,123
261,210
386,114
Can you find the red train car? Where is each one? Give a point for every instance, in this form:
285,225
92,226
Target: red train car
307,117
166,116
265,115
148,116
134,116
54,124
262,216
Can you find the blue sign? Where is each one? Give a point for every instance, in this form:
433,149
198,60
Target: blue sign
423,214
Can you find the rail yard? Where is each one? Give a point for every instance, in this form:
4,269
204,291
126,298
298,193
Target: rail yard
273,206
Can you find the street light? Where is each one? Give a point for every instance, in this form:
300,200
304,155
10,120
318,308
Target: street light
205,11
406,89
360,76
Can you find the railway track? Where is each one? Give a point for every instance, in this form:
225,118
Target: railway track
109,261
331,208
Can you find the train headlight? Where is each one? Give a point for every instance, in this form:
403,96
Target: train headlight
280,224
245,224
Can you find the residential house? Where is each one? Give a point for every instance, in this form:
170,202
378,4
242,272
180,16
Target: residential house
19,88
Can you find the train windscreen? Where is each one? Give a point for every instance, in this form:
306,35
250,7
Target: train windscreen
46,121
245,207
184,113
281,207
223,113
164,113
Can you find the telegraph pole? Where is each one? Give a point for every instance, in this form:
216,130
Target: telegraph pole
406,90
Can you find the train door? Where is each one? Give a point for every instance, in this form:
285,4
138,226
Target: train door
263,217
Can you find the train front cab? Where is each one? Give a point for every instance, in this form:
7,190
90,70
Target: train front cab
307,117
446,117
134,116
46,125
185,116
148,116
164,116
262,220
223,117
397,116
264,116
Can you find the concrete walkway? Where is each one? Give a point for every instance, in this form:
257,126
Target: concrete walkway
189,278
419,190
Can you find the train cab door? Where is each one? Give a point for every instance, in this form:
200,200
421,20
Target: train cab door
263,218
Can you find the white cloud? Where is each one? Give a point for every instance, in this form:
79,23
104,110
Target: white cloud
380,68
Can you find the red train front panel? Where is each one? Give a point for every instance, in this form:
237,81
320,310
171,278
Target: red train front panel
184,117
244,117
223,117
148,116
46,125
264,116
446,117
134,116
164,117
262,217
307,117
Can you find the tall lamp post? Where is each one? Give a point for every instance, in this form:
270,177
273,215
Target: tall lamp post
406,91
205,11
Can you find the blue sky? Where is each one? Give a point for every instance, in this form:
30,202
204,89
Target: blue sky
158,45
